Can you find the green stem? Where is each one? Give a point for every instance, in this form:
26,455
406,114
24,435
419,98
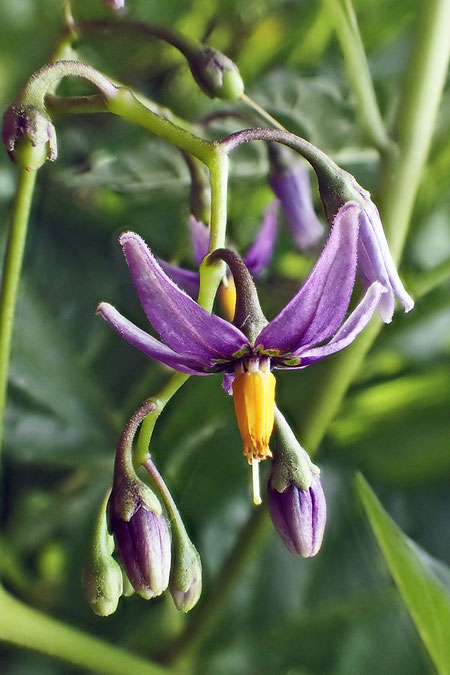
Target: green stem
358,72
401,175
11,276
124,104
425,79
26,627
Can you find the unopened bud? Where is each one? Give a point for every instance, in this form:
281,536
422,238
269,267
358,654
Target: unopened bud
25,126
216,74
186,577
101,578
299,516
142,540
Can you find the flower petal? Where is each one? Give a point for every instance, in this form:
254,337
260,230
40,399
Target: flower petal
260,253
187,280
293,189
183,325
375,262
349,330
150,345
319,307
199,239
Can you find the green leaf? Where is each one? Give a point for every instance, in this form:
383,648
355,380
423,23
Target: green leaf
425,596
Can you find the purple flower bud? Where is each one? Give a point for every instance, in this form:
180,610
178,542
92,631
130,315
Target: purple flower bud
292,187
143,544
299,516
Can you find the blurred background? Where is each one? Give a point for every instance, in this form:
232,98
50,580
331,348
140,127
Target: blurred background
74,383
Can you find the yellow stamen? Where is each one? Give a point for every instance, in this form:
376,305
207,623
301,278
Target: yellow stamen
227,297
254,403
255,478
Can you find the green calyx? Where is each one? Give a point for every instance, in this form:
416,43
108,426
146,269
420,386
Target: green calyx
101,578
291,462
186,576
248,315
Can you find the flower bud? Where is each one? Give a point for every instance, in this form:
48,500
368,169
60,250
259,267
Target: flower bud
115,4
216,74
299,516
24,125
142,541
186,577
101,578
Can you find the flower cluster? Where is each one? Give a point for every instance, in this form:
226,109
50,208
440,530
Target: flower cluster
246,350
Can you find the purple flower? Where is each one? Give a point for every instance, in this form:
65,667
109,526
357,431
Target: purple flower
299,516
292,187
143,544
257,257
198,343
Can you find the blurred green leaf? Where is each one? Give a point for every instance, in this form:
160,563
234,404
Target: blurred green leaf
427,600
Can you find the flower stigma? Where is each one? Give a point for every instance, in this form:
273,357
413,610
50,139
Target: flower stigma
254,403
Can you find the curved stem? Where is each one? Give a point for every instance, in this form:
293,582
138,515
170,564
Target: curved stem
26,627
11,276
107,28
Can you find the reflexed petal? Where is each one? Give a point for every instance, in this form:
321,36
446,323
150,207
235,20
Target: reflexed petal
293,189
349,330
150,345
183,325
318,309
260,253
375,261
186,279
199,239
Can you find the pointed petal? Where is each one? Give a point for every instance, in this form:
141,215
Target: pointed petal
319,307
260,253
199,239
375,262
183,325
148,344
349,330
187,280
293,189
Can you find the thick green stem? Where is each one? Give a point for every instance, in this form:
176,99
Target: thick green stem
425,79
26,627
358,72
11,276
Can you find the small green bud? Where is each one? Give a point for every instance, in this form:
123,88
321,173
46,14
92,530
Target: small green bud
186,577
216,74
102,584
29,136
101,578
